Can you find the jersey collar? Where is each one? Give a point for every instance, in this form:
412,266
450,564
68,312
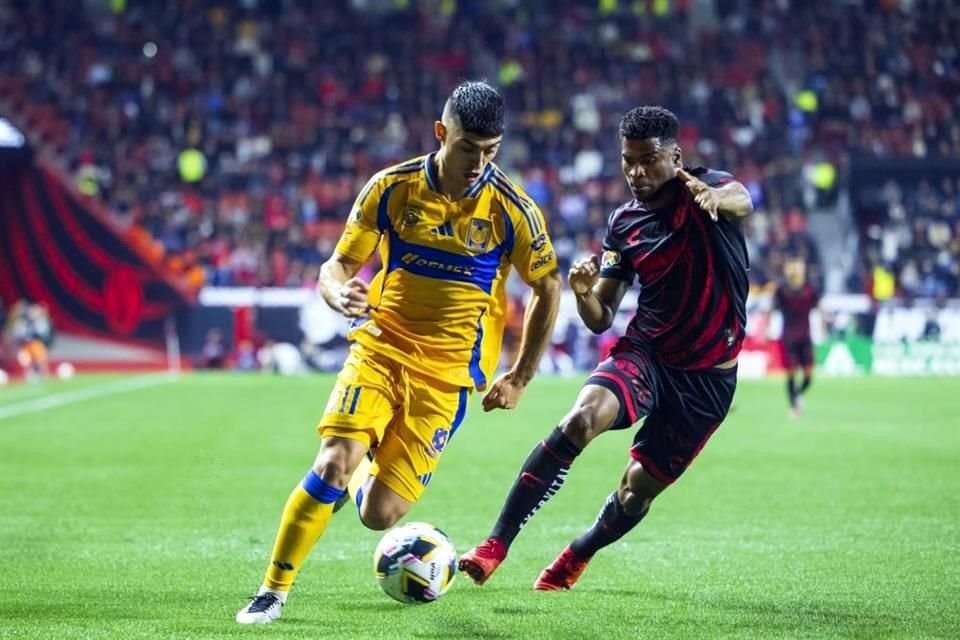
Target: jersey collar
433,178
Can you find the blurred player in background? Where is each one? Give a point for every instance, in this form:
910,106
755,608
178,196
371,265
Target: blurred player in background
427,329
676,367
30,331
795,297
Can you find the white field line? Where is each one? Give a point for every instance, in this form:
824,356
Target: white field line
89,393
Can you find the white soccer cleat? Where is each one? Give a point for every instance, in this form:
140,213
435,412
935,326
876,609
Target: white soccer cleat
264,608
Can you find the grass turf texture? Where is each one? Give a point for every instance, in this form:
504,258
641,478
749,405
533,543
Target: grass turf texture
151,513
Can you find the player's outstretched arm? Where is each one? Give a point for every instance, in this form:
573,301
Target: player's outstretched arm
731,199
538,324
598,299
340,288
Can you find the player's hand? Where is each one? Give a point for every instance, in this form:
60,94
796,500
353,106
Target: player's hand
584,275
353,298
504,393
705,197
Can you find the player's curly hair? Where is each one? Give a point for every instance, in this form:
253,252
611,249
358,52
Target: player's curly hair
649,122
478,107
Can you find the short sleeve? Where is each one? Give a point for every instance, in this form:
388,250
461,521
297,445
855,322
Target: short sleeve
613,263
532,255
363,229
711,177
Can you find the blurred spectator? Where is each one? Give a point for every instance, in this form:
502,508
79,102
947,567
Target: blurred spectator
234,134
931,327
910,232
246,357
213,354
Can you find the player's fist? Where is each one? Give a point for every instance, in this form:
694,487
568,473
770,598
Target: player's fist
504,393
705,197
353,297
584,275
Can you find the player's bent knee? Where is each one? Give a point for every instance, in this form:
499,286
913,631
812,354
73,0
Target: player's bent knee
577,425
639,490
333,474
334,469
382,507
584,423
595,412
635,505
337,461
379,519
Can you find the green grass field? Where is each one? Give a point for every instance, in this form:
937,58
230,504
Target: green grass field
150,514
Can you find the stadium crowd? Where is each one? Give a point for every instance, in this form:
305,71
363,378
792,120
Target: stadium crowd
911,231
231,138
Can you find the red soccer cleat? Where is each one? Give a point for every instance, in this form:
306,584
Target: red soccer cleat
562,573
480,562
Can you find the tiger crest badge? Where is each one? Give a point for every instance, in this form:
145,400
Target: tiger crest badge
478,235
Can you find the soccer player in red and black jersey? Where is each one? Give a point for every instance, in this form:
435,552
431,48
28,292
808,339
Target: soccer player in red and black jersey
675,368
796,298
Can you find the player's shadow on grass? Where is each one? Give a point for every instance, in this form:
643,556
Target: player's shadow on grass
455,625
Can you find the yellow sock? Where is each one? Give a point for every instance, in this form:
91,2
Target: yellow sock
359,477
304,520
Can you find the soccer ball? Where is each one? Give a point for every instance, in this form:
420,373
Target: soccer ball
415,563
65,371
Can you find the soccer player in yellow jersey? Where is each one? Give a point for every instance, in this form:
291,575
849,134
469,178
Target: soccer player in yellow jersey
449,226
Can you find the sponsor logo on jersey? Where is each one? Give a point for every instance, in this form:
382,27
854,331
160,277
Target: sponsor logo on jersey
542,260
610,259
539,242
420,261
478,235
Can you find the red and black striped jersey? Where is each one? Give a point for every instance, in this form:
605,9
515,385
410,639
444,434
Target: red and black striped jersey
795,306
692,272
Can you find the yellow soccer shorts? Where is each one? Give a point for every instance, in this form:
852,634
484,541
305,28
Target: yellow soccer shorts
406,415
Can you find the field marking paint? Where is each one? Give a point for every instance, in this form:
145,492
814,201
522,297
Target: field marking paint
89,393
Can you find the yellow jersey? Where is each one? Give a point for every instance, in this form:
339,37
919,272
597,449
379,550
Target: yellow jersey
438,305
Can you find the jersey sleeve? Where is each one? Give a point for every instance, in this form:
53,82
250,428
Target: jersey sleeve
532,256
613,262
362,231
712,177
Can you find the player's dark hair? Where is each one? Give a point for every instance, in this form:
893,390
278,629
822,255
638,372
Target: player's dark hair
478,107
649,122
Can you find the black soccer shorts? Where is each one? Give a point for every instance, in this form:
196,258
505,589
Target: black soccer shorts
681,408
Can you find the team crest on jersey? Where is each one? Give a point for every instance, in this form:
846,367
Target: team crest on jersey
439,441
478,234
610,259
410,216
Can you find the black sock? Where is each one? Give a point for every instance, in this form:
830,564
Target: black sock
541,476
612,524
806,383
792,390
